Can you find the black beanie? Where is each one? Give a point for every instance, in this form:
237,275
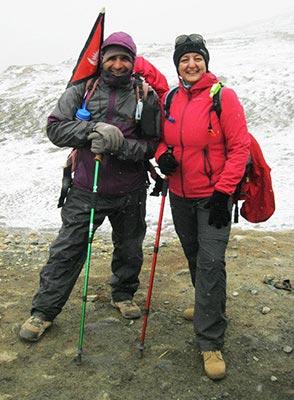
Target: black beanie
190,47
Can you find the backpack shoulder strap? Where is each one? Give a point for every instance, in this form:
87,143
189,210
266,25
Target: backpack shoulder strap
140,95
146,89
168,101
138,87
90,88
141,87
215,94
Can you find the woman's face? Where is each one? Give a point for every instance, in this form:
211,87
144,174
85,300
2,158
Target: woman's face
191,67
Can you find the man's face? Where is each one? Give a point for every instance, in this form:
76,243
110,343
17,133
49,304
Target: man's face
118,65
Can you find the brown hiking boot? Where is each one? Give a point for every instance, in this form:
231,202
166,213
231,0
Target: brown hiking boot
33,328
214,365
188,314
128,308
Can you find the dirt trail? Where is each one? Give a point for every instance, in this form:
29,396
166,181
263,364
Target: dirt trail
259,340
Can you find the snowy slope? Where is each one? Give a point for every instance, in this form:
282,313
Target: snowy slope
256,61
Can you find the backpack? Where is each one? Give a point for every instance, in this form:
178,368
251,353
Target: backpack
145,127
255,188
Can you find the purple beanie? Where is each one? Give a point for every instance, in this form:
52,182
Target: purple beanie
120,39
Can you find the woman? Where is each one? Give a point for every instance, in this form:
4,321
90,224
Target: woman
208,160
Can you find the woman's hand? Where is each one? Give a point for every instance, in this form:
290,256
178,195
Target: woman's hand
219,214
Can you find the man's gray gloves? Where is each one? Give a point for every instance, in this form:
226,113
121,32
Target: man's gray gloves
106,138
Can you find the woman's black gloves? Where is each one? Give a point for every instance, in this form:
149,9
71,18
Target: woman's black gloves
219,214
167,163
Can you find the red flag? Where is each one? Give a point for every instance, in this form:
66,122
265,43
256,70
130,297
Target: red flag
89,60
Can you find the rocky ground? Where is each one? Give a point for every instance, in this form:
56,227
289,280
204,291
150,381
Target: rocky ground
259,341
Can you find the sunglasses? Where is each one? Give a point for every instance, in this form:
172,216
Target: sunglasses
194,37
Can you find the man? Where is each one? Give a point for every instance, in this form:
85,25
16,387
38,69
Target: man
125,145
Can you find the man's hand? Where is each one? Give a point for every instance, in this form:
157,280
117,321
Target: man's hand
106,138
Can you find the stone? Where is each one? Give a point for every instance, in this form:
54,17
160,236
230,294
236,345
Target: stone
183,272
270,239
239,238
7,357
287,349
265,310
103,396
259,387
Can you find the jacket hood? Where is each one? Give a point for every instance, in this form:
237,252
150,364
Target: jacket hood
120,39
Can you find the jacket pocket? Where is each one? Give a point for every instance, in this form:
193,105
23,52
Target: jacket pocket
207,164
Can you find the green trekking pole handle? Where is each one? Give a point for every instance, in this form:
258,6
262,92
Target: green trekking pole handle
78,357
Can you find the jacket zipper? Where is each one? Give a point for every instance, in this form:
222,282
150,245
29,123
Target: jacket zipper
110,107
182,146
109,117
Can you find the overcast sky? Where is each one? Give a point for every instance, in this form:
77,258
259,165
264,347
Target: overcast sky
35,31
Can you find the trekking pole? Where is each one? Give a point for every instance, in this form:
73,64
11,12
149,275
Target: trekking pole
152,272
78,357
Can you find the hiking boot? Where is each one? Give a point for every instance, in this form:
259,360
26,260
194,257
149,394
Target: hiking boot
214,365
128,308
188,314
33,328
